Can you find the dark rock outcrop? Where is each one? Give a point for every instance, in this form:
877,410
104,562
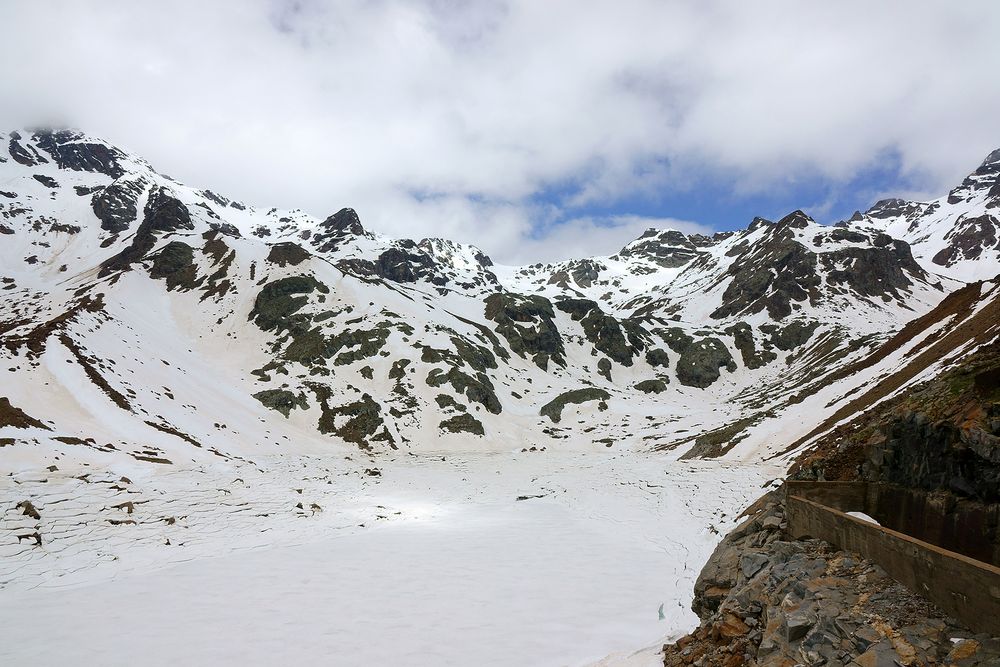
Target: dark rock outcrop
701,362
553,409
279,301
764,600
175,263
338,228
164,213
70,150
463,423
771,274
602,330
115,206
667,248
282,400
287,254
969,238
526,322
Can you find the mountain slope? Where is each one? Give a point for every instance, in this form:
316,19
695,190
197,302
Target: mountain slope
168,323
957,235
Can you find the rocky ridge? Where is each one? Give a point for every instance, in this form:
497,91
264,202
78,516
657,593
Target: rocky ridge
320,328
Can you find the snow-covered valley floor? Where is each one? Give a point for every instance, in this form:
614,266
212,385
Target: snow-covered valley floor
529,558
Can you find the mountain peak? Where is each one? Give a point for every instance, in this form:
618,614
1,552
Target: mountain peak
344,220
69,149
796,219
993,159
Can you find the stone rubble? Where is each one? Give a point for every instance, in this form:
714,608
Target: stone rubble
764,600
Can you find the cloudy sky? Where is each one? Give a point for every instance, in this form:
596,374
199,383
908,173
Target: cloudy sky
537,129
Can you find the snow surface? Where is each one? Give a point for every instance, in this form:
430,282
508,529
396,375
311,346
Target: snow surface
436,562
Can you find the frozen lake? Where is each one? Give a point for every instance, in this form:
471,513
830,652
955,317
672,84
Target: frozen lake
431,563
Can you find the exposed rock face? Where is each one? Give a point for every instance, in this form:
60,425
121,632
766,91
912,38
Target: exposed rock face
175,263
527,324
701,362
47,181
287,254
24,154
278,301
932,456
891,208
669,249
767,601
282,400
771,276
400,266
11,415
744,341
949,235
604,331
364,422
984,178
341,226
970,238
921,454
163,213
792,335
478,388
651,386
115,205
553,409
71,151
464,423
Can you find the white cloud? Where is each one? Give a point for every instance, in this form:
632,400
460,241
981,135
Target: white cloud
589,236
485,104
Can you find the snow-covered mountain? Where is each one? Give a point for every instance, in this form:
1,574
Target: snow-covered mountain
147,318
957,235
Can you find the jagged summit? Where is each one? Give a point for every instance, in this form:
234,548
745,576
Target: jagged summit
992,159
957,235
797,220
